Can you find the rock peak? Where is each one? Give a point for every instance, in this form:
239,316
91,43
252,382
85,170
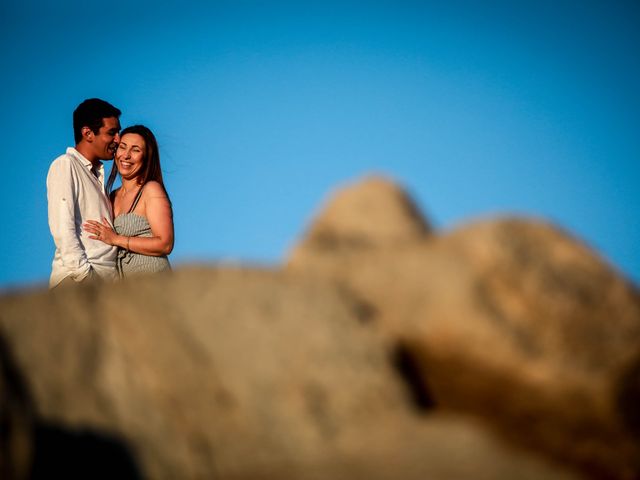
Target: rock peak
372,212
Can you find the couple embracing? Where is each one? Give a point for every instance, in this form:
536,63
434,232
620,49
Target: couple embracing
100,233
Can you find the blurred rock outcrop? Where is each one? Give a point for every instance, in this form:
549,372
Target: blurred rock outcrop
382,350
373,213
511,320
16,419
235,374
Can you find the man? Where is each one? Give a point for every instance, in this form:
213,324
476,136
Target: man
76,193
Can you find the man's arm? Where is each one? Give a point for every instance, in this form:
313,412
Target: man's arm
62,200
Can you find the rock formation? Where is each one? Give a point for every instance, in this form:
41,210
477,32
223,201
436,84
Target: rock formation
511,320
16,419
382,350
230,373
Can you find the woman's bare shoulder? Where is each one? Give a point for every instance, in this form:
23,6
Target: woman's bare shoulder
154,189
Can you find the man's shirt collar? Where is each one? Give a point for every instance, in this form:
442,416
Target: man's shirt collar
75,153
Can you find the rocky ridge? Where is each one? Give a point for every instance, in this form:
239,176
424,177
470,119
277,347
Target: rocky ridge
382,349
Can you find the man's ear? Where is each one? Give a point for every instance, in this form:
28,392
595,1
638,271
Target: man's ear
87,134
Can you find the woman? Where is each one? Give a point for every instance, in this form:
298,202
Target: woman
143,223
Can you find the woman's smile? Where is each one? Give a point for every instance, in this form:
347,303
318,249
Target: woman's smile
130,155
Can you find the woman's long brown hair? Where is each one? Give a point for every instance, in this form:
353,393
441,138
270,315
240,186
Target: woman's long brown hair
151,160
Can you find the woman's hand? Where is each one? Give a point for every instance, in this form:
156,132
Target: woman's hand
101,231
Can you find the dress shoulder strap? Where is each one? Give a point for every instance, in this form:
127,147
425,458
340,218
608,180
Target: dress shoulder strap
136,200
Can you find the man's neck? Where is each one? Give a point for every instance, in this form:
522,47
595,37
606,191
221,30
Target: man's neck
86,152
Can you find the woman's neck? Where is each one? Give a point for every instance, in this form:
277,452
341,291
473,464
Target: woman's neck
128,185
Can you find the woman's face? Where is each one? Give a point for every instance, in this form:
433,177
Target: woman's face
130,155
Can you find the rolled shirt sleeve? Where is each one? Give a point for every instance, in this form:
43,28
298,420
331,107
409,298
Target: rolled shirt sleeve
61,195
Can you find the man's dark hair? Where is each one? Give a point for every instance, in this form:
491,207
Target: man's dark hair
91,113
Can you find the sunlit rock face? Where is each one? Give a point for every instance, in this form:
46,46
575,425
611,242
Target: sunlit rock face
381,350
509,319
205,371
372,213
229,373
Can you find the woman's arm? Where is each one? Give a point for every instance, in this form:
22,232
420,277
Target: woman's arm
160,218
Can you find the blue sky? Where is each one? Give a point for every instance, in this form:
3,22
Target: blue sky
262,108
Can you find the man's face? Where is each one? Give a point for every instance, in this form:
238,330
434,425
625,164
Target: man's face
105,142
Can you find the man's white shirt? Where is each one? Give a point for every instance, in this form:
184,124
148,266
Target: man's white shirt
75,195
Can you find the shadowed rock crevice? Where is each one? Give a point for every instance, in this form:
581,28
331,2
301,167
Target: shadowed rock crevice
80,454
32,448
407,367
17,413
628,399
